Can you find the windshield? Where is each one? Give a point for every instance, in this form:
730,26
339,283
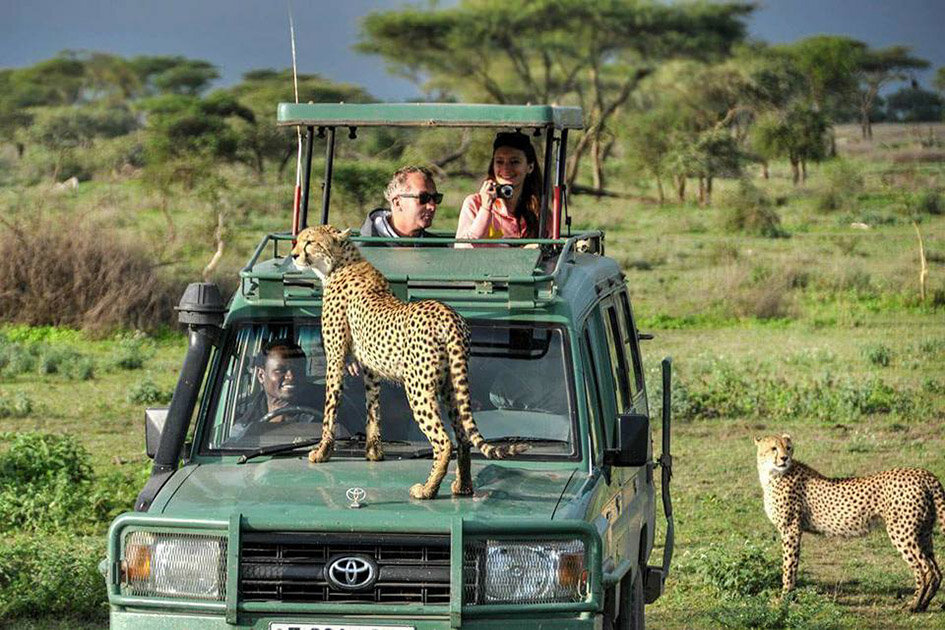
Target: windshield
270,391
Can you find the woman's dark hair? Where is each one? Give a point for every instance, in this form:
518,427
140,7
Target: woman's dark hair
529,203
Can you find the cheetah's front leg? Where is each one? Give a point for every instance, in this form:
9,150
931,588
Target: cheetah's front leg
336,348
791,554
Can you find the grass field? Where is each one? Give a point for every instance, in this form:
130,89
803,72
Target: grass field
819,333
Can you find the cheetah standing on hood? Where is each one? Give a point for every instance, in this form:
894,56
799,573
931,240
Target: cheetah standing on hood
424,345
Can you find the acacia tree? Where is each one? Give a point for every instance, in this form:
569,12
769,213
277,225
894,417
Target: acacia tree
593,54
797,133
260,140
878,68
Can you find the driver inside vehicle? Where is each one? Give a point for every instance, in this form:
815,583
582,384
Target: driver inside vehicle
280,370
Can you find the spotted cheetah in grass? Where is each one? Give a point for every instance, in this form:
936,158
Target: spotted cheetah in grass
799,499
424,345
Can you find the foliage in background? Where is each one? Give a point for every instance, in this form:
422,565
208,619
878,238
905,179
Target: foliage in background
80,278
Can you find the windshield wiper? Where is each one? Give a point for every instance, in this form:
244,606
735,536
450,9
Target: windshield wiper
277,449
423,453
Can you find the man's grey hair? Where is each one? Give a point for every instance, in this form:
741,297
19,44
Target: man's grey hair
397,182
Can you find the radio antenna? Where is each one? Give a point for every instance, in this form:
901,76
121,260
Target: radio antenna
297,201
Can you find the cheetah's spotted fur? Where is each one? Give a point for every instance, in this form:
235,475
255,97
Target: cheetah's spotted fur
424,345
799,499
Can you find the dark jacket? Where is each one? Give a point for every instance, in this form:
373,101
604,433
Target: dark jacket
377,223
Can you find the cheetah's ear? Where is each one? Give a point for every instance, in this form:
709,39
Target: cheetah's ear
786,437
757,440
343,235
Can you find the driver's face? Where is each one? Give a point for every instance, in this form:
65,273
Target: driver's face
281,376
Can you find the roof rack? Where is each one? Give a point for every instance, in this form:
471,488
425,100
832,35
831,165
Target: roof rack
526,276
428,115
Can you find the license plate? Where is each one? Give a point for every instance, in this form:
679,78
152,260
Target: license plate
332,626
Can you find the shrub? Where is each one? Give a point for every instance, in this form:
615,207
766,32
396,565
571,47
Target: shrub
66,362
928,201
841,188
800,610
750,211
52,576
738,570
878,354
19,405
82,277
132,351
146,392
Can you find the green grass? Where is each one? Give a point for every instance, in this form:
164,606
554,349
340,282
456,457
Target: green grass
820,334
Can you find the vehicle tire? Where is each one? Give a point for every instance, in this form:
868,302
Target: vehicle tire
631,603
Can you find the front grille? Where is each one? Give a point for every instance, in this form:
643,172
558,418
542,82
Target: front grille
291,567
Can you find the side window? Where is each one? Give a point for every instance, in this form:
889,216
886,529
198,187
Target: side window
592,395
628,332
618,360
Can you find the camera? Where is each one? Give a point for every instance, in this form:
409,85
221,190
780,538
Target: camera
505,191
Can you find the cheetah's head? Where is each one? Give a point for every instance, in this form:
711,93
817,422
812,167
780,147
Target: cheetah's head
319,248
774,453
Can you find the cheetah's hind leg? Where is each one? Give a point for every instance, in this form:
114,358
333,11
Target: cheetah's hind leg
462,485
373,447
426,412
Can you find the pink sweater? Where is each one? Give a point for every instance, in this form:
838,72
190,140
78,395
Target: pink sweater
497,223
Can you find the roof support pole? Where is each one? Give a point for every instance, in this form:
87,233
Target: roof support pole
546,184
306,178
561,188
329,166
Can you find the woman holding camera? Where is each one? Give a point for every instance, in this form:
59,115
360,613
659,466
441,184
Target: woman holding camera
509,200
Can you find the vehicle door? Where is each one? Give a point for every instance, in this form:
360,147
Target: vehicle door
618,358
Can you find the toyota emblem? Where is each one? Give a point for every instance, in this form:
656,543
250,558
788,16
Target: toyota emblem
351,573
355,495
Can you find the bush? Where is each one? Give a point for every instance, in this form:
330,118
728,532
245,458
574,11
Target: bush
146,392
749,210
878,355
738,571
132,351
47,485
842,186
926,202
52,576
79,277
800,610
19,405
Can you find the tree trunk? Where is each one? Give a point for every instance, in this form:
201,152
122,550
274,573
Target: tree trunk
795,171
803,171
218,254
701,191
659,190
708,190
680,188
598,174
20,149
764,170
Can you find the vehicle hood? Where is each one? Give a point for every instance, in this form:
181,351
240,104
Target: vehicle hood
292,491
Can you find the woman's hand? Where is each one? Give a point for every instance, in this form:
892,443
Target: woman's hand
487,194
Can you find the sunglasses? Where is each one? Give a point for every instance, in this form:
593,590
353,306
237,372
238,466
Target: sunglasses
425,197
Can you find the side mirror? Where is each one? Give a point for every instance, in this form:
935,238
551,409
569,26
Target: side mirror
154,419
632,442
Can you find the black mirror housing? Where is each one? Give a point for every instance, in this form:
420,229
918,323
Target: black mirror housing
632,441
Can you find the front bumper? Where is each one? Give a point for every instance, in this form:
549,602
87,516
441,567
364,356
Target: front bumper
164,621
156,613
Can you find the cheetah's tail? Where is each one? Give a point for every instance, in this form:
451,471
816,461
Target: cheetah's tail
458,353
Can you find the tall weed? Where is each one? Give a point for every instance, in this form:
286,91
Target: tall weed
842,185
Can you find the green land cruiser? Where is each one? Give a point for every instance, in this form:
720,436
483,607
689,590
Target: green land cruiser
236,529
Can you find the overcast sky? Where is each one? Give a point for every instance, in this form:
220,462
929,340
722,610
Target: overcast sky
241,35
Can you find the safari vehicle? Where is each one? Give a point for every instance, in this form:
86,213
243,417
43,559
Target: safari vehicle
236,529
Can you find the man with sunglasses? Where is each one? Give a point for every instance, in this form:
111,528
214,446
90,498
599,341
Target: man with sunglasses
413,199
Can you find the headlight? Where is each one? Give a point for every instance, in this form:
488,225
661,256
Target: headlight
513,572
191,566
